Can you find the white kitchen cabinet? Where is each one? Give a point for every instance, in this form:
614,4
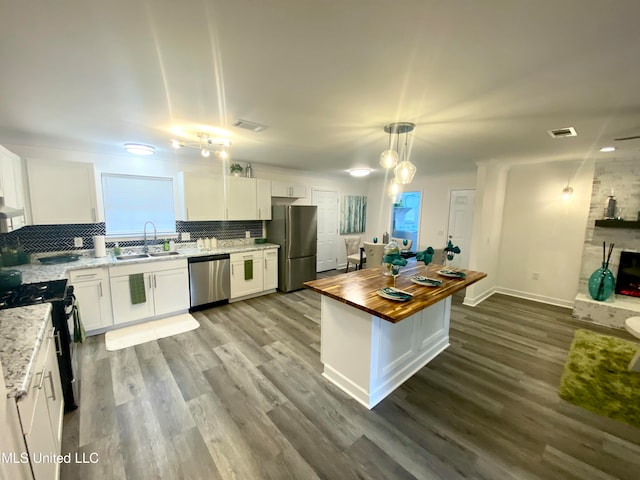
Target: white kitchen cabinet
200,197
11,185
288,190
61,192
171,291
93,291
241,198
270,278
166,289
263,199
241,284
41,410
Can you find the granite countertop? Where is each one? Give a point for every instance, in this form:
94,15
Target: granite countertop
38,272
22,330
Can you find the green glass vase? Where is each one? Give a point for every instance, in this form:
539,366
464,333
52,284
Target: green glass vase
602,283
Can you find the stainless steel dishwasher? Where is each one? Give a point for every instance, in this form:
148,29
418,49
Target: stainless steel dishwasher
209,280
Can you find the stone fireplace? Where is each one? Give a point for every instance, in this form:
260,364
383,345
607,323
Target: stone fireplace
623,177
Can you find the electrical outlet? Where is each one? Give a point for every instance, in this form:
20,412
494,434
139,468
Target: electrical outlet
77,242
185,236
247,234
535,275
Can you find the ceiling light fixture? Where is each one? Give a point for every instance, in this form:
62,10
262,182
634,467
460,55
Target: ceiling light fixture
359,172
405,170
567,192
139,148
204,144
608,149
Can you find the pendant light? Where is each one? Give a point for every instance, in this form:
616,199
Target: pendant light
405,170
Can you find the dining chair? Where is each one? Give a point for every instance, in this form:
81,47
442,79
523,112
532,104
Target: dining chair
352,244
402,245
374,253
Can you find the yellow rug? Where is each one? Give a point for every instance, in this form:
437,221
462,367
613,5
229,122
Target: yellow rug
149,331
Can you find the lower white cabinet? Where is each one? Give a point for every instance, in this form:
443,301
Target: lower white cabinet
245,279
93,291
270,269
166,287
264,272
42,409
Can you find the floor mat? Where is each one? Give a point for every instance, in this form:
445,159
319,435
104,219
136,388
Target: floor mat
149,331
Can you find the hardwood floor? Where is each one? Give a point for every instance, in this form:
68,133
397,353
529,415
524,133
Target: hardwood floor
242,397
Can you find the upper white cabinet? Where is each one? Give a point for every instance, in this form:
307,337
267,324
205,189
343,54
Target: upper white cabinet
200,197
241,198
11,185
288,189
263,189
61,192
207,197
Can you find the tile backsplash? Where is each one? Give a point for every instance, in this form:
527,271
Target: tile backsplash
54,238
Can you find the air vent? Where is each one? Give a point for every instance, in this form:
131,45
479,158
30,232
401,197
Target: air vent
247,125
563,132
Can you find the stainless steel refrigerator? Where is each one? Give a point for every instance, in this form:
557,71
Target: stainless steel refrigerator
295,229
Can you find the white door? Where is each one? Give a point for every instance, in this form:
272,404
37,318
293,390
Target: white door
461,223
125,311
327,203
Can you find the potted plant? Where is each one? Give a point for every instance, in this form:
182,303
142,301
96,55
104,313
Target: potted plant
236,169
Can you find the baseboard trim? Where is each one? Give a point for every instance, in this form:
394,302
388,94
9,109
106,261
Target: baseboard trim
475,301
558,302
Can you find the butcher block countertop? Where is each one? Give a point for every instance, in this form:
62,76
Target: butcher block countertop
359,288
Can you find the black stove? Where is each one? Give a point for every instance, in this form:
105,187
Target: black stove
33,293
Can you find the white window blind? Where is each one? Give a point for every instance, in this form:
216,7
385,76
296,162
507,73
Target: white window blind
131,200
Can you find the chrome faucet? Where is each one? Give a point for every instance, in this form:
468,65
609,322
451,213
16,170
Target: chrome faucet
145,249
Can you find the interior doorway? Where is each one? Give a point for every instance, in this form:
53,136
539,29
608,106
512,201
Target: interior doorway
405,218
327,203
461,224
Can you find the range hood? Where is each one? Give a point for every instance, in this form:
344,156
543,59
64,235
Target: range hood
9,212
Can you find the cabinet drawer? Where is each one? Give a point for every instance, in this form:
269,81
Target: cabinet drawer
26,405
147,267
254,255
86,274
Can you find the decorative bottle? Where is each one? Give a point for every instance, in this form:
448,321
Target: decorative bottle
248,171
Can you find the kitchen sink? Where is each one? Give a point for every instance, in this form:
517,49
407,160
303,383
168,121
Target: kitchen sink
132,256
162,254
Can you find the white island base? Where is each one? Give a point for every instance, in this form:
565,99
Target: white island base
368,357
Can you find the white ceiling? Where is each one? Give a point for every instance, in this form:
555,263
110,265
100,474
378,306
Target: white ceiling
482,80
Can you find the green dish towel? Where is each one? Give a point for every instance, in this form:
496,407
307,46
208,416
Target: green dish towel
78,329
136,288
248,269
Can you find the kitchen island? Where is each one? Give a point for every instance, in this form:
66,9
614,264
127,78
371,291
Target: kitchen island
371,345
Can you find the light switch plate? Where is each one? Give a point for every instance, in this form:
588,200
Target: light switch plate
77,242
247,234
185,236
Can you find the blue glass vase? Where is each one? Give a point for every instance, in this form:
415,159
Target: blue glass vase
602,283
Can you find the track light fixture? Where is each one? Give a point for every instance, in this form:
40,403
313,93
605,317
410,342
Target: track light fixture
220,145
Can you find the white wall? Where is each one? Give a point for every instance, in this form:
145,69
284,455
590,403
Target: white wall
434,209
542,232
191,161
487,229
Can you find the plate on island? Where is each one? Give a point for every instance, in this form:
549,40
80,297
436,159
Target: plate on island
426,281
451,273
391,293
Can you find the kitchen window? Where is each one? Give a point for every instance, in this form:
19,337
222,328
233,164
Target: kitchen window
131,200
